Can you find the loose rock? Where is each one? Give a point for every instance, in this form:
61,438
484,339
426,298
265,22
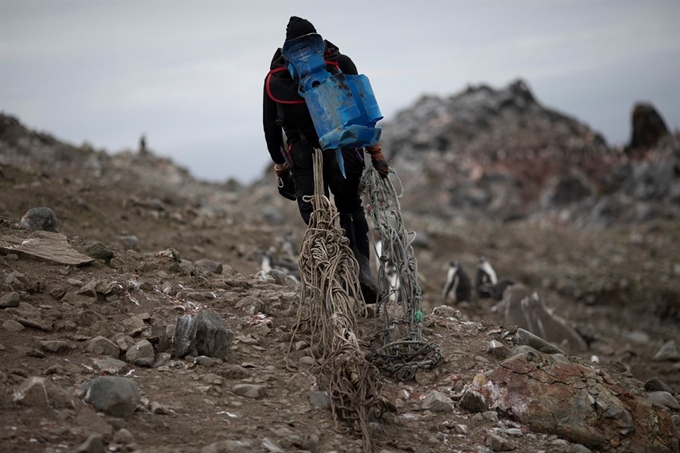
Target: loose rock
668,352
57,292
185,335
229,446
437,402
319,400
55,346
498,443
250,390
98,289
109,365
10,300
526,338
498,349
212,338
129,241
103,346
41,392
16,279
204,361
40,324
159,337
116,396
251,305
208,266
526,310
93,444
123,437
141,354
40,219
158,408
657,385
664,399
12,326
98,250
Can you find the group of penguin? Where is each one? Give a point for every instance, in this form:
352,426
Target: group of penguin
458,287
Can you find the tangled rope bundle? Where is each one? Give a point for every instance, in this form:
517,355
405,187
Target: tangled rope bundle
329,273
398,345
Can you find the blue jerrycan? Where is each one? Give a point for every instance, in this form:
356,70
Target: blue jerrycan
342,106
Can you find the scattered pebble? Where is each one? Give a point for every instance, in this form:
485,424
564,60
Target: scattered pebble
9,300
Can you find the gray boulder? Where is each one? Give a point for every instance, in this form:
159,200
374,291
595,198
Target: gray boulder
524,309
9,300
141,354
208,266
103,346
203,334
41,392
437,402
212,338
40,219
115,396
185,335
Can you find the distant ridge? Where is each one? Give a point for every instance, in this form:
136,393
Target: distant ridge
501,154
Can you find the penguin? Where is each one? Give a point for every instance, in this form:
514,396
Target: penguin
288,267
378,254
285,246
487,283
457,283
390,270
486,277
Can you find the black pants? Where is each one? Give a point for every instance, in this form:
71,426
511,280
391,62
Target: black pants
345,190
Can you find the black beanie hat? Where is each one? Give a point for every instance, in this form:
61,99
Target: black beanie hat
297,27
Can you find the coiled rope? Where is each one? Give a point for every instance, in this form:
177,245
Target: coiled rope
329,275
397,342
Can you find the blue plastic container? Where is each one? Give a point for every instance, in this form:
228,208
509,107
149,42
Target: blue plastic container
342,106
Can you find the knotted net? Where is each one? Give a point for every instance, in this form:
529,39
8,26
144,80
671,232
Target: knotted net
330,299
398,345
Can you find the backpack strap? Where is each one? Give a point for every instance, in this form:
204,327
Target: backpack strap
271,94
335,68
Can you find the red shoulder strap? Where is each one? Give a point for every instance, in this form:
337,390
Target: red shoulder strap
283,68
269,90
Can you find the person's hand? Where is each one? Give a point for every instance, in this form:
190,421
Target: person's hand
281,169
284,181
380,164
378,160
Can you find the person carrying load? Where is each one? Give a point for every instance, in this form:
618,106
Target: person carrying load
315,98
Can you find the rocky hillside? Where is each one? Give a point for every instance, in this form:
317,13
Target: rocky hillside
501,154
144,324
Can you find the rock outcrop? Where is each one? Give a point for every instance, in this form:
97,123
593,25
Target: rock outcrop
501,154
549,393
648,127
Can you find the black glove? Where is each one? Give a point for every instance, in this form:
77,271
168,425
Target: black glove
284,181
378,160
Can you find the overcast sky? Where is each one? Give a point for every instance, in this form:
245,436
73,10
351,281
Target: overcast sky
189,74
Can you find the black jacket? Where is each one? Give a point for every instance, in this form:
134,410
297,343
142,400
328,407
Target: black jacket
284,109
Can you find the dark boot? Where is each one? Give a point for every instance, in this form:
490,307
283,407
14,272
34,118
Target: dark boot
369,287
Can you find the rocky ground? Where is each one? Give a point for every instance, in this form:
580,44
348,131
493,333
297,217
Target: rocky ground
142,244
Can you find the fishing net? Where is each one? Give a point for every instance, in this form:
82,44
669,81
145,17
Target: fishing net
399,348
330,301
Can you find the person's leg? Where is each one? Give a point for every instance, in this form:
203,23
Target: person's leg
347,199
352,217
